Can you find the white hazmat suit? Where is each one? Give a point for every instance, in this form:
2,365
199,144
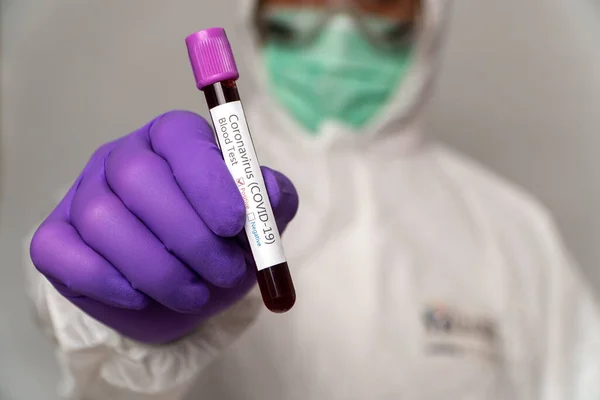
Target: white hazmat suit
419,274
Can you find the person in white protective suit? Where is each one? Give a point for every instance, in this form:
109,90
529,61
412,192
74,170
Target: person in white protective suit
420,275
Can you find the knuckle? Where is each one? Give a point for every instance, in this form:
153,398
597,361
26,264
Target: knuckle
229,215
103,151
43,244
88,274
157,279
126,173
161,129
192,247
230,277
231,225
181,114
95,213
224,267
190,298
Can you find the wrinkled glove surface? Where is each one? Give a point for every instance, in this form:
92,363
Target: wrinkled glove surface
149,240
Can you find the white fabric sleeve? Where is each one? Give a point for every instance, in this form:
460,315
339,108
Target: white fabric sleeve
98,363
570,367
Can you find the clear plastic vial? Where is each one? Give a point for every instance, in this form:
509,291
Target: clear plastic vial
216,74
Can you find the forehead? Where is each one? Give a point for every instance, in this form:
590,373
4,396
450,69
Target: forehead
404,9
332,3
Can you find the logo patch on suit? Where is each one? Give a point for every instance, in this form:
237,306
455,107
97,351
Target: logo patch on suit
452,331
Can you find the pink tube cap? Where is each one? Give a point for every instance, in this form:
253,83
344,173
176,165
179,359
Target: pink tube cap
211,57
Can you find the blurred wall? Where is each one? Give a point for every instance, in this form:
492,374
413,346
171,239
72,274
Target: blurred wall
519,90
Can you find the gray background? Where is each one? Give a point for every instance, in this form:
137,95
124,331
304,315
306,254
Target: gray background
519,90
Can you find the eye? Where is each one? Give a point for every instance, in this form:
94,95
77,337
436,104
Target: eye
400,33
279,31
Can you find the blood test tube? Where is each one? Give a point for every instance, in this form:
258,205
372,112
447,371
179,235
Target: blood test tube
216,74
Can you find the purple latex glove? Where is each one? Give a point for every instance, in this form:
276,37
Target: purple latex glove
149,239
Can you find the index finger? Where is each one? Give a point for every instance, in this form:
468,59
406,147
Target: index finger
186,141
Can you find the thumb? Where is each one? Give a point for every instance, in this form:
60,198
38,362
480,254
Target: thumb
283,196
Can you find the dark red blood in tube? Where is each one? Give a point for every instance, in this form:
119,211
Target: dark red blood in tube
275,283
215,72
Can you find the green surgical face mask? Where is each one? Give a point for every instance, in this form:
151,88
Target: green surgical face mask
337,76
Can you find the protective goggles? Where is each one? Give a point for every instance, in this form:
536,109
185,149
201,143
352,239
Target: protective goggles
386,24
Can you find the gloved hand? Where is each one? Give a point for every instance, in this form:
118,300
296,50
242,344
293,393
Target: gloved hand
149,239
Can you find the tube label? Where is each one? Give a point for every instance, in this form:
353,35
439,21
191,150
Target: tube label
240,156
